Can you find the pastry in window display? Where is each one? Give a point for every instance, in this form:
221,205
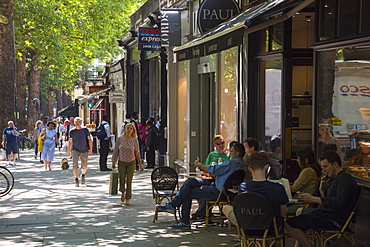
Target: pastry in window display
357,162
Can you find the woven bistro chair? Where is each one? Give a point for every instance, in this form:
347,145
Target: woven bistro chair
256,221
226,196
164,187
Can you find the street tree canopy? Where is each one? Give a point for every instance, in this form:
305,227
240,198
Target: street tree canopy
69,34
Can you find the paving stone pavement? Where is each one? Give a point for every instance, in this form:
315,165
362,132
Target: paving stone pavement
46,209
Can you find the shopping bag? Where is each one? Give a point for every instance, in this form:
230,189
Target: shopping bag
113,185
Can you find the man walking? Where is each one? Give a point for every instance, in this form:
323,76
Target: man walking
10,134
105,140
79,146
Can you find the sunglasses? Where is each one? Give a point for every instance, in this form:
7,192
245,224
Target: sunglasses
219,143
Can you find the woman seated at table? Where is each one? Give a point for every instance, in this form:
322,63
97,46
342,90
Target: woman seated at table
309,178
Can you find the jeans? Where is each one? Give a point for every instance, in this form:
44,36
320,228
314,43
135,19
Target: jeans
194,188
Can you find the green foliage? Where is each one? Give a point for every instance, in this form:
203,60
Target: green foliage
69,34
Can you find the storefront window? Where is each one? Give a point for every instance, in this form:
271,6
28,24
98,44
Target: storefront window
343,105
272,78
228,78
303,30
181,110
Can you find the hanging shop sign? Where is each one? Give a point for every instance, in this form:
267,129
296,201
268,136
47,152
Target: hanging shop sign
213,12
117,97
149,39
171,28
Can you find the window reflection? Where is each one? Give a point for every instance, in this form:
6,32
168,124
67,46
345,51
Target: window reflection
227,93
344,78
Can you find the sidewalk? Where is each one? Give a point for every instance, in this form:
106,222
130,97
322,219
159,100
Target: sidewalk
46,209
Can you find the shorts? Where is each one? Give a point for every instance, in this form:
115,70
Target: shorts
11,147
309,220
83,156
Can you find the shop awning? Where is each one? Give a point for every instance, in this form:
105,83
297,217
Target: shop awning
230,33
84,98
69,111
97,105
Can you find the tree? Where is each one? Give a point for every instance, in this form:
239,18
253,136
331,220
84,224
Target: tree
61,36
7,62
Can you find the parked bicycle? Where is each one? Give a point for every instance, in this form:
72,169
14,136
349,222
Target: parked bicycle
24,141
6,181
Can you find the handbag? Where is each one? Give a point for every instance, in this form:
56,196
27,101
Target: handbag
113,185
40,142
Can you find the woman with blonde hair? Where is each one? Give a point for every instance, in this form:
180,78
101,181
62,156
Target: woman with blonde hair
126,151
35,137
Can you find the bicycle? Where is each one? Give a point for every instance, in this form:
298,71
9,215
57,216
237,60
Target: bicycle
6,181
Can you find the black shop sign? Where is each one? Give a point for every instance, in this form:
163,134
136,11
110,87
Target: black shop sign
149,39
213,12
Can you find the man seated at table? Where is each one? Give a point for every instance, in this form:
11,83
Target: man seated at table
217,156
274,192
203,189
338,196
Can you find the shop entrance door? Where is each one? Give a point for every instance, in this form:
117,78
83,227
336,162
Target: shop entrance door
298,88
207,114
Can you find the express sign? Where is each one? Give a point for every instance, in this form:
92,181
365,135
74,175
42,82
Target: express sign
149,39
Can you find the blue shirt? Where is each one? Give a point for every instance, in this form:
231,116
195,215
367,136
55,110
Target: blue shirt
9,134
225,169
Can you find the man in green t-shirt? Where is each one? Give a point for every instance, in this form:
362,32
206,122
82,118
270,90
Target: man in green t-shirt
219,155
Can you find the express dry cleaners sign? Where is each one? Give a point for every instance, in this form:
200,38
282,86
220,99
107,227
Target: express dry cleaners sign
149,39
213,12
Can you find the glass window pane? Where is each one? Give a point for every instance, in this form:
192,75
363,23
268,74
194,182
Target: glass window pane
345,75
303,30
327,22
227,91
348,17
181,110
301,139
277,36
273,97
365,17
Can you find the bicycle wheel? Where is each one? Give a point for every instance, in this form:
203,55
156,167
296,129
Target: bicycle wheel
4,185
27,144
9,175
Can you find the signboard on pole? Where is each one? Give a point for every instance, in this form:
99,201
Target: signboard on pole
149,39
117,97
171,28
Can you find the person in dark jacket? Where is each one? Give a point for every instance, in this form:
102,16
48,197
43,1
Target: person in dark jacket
151,143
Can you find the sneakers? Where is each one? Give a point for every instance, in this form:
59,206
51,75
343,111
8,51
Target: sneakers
180,225
82,179
77,183
197,217
167,208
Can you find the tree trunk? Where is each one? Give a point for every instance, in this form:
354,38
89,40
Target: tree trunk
66,100
34,110
50,103
21,92
58,97
7,63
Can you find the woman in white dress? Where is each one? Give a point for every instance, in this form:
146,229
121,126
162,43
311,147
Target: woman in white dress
48,146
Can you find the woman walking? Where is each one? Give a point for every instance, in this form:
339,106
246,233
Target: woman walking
35,136
126,151
48,146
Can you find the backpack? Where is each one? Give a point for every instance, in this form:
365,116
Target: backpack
101,134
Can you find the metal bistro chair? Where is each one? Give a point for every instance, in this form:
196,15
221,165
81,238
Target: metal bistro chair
256,220
346,231
164,184
226,196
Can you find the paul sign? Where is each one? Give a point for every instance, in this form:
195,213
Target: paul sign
213,12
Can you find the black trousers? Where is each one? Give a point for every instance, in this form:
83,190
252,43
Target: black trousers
104,150
150,158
